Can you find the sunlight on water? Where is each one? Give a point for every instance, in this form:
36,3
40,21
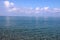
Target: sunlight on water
37,21
7,21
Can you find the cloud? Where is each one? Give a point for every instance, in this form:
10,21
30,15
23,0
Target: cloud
12,10
37,10
46,8
56,9
7,4
10,6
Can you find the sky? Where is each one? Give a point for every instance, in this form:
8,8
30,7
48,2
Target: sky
30,8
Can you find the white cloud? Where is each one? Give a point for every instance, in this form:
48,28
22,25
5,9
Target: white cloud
12,10
37,8
7,4
56,9
10,6
46,8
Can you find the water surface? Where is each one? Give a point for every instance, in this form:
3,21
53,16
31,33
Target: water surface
29,28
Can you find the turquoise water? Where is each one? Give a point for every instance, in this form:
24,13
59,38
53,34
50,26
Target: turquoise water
29,28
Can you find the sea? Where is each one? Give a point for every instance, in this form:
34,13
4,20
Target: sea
29,28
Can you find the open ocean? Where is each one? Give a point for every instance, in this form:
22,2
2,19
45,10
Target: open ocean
29,28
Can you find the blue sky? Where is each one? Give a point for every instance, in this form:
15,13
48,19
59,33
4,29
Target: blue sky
30,7
35,3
